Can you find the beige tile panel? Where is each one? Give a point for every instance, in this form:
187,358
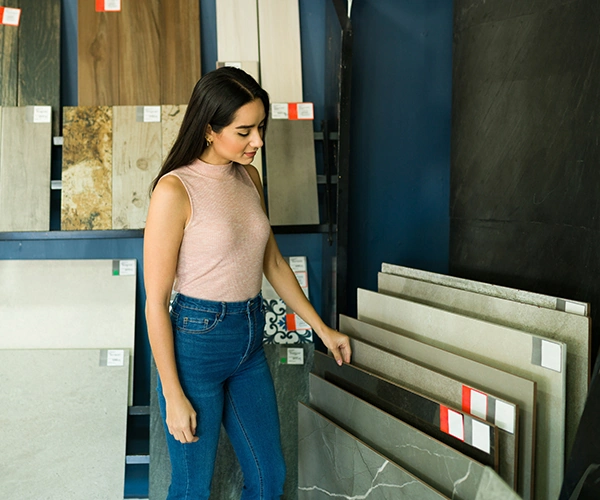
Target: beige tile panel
237,30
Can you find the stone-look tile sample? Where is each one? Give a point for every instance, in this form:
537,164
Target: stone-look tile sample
572,329
171,118
522,296
441,466
25,162
506,385
442,388
504,348
87,168
492,487
136,161
414,409
333,463
291,386
291,172
68,304
64,423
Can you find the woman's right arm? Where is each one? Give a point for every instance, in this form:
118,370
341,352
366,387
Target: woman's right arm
167,216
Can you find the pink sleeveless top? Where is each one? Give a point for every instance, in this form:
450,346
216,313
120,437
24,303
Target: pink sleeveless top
222,251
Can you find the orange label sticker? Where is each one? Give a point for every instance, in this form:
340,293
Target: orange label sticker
108,5
10,16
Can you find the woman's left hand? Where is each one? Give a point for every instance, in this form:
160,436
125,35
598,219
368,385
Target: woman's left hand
338,344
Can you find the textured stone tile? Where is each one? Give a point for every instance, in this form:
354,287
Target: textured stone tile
172,116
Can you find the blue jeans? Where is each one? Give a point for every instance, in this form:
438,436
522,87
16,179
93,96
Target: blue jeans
224,373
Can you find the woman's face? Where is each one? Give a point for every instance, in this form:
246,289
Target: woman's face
240,140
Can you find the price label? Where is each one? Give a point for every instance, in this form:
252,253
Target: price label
108,5
306,111
10,16
127,268
115,357
279,111
295,356
151,114
39,114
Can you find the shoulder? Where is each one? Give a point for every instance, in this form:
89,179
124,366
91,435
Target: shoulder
253,173
171,195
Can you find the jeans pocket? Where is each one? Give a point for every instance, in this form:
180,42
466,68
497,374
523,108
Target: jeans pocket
194,321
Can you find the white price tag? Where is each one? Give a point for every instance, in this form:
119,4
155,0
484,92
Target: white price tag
127,268
479,404
295,356
572,308
112,5
455,424
279,111
481,436
115,357
551,356
505,416
306,111
297,263
42,114
151,114
11,16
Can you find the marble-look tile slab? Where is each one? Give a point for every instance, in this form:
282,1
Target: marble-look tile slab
492,487
25,161
423,413
519,390
68,304
333,463
447,391
572,329
86,193
172,116
521,353
291,172
64,422
441,466
136,161
523,296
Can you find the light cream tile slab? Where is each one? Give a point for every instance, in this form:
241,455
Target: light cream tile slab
67,304
535,299
572,329
333,463
291,173
518,390
444,389
137,154
280,56
64,422
25,161
504,348
237,30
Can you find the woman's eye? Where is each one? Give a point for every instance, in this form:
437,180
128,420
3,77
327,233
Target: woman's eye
244,135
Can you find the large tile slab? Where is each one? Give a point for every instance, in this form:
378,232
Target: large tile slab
64,422
573,330
505,385
471,436
505,348
448,391
333,463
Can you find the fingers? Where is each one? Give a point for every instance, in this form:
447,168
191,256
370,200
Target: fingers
185,433
341,350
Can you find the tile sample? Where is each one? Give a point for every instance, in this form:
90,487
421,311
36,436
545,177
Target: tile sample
572,329
25,161
68,304
171,118
87,168
492,487
506,385
9,48
447,391
72,406
333,463
465,433
237,30
291,172
523,354
136,161
279,42
179,49
525,297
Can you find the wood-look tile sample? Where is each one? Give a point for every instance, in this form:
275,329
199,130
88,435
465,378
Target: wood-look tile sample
237,30
514,389
444,389
97,56
504,348
572,329
525,297
68,304
179,49
280,56
9,48
25,162
136,161
291,172
139,54
87,168
71,405
39,56
171,118
441,466
473,437
333,463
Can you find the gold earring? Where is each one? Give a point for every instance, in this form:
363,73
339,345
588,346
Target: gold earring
208,143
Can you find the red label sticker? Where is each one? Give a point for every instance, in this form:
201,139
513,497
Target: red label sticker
10,16
444,419
290,322
466,399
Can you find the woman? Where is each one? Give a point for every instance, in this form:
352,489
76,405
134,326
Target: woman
207,236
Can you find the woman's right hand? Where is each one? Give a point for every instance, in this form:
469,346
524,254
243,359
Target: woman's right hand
181,419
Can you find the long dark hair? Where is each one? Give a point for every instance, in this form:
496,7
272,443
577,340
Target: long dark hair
216,98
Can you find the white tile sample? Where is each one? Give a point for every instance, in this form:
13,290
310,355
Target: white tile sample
499,346
64,422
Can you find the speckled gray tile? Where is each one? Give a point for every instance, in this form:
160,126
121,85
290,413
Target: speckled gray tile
333,463
64,421
573,330
492,487
507,349
506,385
